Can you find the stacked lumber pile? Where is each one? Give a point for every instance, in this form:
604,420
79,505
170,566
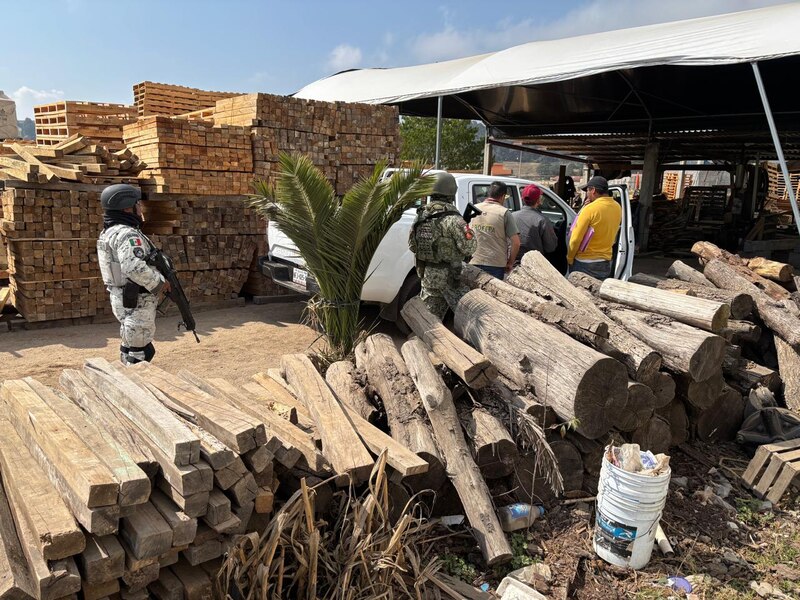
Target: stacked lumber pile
165,99
344,140
100,121
778,194
75,158
191,157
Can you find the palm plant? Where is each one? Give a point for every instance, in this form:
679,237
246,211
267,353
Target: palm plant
337,237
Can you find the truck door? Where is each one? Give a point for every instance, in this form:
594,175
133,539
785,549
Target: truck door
622,260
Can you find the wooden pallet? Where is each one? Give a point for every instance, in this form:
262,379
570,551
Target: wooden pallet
782,462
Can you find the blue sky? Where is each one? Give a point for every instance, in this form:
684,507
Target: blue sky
96,50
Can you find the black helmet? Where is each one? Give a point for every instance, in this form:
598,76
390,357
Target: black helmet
119,196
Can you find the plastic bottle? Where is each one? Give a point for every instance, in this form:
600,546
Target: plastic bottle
518,515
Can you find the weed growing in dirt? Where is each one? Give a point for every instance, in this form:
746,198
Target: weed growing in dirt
747,510
519,548
458,567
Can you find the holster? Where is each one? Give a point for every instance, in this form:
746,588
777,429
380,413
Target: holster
130,295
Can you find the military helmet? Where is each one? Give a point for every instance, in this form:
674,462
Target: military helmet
119,196
445,185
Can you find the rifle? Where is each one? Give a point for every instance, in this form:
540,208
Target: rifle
470,212
163,265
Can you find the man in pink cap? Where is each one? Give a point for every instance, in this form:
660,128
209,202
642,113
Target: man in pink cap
535,230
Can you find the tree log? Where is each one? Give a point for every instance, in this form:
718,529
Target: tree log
531,483
700,394
741,305
386,371
655,435
698,312
663,386
721,421
462,359
526,402
675,414
493,448
578,382
771,269
537,275
777,315
683,348
682,271
745,374
340,442
591,452
461,469
738,332
708,252
638,409
342,378
789,366
583,327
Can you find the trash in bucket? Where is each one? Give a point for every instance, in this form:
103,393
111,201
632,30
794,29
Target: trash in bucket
631,495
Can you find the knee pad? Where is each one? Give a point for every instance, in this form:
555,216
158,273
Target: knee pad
140,354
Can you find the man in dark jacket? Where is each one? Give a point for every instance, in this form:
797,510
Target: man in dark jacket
535,230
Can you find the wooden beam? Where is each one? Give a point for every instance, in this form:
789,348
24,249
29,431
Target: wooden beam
41,428
103,559
15,582
81,392
193,505
461,469
146,532
183,527
238,431
33,498
341,445
134,485
50,170
163,428
472,367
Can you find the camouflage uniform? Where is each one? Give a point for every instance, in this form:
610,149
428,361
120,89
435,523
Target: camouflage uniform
441,240
121,251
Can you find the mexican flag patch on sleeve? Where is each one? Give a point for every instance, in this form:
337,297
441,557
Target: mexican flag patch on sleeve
135,242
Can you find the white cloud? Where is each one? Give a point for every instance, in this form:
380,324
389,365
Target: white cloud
26,98
344,57
590,17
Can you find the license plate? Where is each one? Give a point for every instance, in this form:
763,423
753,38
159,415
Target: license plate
299,276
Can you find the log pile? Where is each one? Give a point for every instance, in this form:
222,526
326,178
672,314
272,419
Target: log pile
100,121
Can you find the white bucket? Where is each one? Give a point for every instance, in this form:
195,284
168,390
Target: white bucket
629,508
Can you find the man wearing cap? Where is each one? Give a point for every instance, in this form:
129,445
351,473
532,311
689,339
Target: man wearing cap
594,231
496,233
134,285
535,230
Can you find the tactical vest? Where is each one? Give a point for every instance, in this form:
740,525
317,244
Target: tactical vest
427,231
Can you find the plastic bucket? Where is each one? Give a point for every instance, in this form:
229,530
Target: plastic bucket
629,508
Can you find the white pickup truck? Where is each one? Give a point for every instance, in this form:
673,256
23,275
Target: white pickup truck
392,278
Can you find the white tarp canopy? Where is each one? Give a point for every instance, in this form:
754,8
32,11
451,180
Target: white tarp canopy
748,36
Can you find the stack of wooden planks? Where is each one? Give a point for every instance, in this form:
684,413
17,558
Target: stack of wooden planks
344,140
100,121
191,157
164,99
136,481
75,158
50,231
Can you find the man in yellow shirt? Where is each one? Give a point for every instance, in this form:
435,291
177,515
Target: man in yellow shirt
594,231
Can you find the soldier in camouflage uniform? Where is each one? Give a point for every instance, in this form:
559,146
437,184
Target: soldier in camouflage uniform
134,285
441,240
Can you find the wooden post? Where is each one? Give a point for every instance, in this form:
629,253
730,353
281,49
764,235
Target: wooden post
387,372
467,363
646,192
494,450
341,444
789,366
741,305
461,469
683,272
341,376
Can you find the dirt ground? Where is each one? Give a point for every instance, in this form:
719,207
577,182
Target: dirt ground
234,344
